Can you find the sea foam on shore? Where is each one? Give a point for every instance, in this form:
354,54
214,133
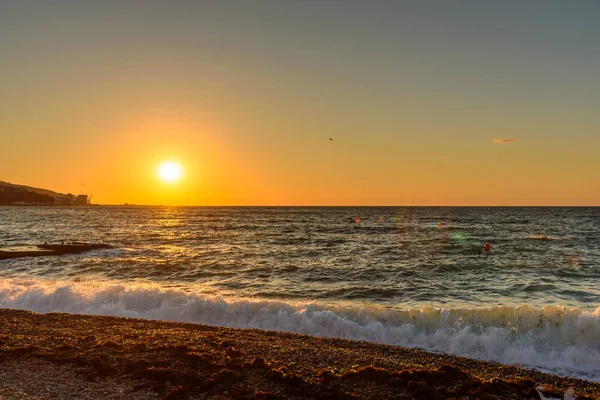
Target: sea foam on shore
114,358
552,339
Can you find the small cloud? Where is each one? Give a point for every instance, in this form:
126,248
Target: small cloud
503,140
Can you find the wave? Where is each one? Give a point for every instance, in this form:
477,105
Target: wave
552,339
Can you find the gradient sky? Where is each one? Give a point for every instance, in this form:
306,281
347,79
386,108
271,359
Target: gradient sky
418,97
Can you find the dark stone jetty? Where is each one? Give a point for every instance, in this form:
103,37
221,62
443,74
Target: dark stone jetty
50,249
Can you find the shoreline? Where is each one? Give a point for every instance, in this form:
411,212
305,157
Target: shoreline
116,357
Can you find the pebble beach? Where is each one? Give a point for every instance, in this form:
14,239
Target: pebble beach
65,356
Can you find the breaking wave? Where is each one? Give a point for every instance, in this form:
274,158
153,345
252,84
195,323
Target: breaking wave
552,339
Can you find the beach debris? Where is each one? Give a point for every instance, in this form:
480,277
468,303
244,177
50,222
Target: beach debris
570,394
545,394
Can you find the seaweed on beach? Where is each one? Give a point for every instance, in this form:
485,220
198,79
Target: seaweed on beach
167,360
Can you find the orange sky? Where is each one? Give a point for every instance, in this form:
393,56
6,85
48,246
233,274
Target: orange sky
247,98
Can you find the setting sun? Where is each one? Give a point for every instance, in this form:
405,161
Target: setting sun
170,171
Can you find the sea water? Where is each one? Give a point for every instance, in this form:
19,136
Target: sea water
407,276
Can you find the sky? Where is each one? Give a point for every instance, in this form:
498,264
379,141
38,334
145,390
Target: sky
315,102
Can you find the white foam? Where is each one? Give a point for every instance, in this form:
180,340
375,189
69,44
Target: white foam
554,339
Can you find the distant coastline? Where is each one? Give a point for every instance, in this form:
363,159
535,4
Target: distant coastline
21,195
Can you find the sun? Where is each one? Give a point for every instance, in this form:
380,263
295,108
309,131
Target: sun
170,171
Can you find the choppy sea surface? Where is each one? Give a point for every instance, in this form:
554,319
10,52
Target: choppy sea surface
408,276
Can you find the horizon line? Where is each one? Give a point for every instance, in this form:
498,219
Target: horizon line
320,206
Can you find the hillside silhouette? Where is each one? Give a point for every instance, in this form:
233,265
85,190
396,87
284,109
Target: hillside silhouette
11,194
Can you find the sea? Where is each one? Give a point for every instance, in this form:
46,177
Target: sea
416,277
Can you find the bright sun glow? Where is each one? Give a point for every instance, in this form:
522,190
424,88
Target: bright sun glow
170,171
